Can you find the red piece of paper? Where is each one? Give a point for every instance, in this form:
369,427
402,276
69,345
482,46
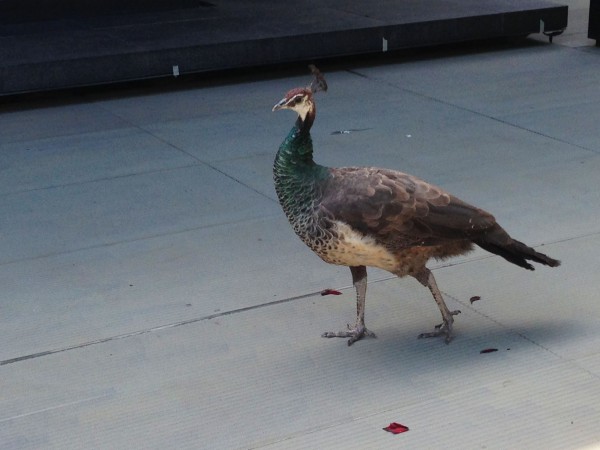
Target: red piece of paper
330,292
488,350
396,428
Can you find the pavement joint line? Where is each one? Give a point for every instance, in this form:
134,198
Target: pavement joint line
99,180
357,73
155,329
520,334
52,408
191,155
145,130
264,305
273,303
138,239
571,238
262,194
472,111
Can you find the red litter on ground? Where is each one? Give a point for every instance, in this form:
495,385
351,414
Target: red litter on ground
488,350
330,292
396,428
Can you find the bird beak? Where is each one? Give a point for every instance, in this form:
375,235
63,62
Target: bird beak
280,105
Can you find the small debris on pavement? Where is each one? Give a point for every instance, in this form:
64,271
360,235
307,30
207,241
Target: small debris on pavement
351,130
396,428
330,292
489,350
474,298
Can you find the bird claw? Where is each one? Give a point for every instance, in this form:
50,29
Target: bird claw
355,334
443,329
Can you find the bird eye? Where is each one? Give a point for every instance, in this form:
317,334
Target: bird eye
297,100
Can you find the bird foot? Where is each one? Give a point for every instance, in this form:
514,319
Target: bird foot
355,334
443,329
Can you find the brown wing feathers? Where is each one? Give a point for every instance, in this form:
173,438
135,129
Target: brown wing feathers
392,206
400,210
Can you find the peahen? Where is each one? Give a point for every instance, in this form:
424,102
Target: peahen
365,216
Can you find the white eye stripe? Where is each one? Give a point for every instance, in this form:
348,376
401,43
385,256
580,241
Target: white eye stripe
296,99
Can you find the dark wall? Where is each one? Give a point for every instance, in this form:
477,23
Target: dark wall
17,11
594,23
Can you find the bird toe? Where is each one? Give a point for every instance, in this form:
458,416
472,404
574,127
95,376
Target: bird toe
443,329
355,334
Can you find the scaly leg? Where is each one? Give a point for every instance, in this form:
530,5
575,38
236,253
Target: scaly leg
359,280
425,277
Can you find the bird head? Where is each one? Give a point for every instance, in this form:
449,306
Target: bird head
301,99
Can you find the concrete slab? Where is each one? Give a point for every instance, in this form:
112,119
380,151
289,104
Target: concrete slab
112,290
548,66
84,157
553,421
23,122
566,123
73,217
298,390
558,320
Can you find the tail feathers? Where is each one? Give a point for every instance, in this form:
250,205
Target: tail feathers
516,252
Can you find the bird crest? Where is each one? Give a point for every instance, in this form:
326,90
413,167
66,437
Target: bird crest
318,82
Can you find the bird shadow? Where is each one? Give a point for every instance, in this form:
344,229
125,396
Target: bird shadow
400,350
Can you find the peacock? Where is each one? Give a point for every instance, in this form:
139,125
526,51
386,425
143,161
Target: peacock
367,216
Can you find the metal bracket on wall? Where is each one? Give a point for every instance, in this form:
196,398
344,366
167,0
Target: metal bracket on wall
551,34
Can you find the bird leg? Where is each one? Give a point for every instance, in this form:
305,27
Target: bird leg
359,280
425,277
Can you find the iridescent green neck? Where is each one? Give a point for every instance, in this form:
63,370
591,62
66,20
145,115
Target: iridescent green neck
298,179
295,156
